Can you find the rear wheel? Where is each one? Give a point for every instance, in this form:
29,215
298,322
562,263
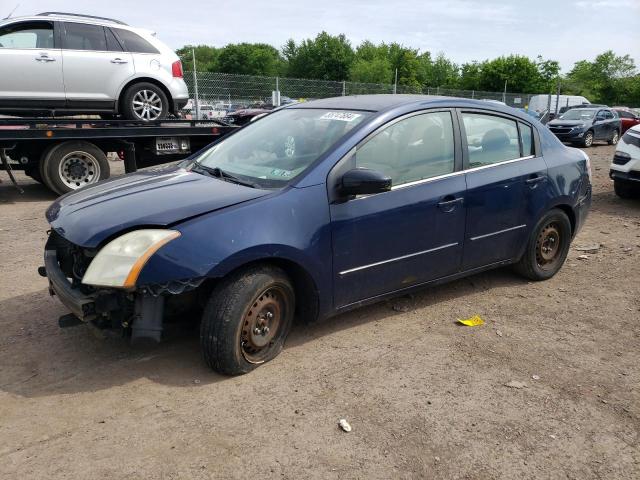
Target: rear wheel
587,140
145,102
72,165
247,320
614,138
547,247
626,190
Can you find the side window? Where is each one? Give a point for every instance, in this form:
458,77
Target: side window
416,148
134,43
526,139
490,139
608,114
27,35
79,36
112,42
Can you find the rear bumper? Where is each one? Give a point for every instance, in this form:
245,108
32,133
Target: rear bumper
631,176
582,210
81,305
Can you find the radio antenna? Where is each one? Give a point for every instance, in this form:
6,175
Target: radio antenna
11,13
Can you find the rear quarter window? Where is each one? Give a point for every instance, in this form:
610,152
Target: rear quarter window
133,42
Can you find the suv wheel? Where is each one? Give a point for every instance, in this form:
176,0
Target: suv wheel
145,102
626,190
247,320
547,247
614,138
587,141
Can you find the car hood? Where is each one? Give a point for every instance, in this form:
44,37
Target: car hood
161,198
567,123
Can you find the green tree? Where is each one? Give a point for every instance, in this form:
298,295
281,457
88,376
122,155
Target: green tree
250,59
609,79
520,73
470,76
325,57
549,71
206,57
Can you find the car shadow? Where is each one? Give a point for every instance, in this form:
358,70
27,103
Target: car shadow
37,358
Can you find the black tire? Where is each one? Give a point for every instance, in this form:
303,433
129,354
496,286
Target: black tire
236,315
535,264
72,165
626,190
615,136
137,92
587,140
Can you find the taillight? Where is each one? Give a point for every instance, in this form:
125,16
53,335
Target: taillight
176,69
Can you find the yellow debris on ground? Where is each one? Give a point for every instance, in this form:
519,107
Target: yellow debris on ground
472,322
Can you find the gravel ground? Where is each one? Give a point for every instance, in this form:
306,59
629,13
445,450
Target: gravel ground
427,398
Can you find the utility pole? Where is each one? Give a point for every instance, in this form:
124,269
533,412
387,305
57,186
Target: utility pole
558,97
196,103
504,94
395,83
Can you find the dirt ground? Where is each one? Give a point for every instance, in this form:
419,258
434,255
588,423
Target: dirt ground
427,398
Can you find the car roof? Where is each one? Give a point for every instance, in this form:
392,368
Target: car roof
90,19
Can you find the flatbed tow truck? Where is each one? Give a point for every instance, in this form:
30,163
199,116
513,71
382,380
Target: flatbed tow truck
65,154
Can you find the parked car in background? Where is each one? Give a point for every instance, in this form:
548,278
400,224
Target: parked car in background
245,115
583,126
628,118
625,167
313,210
68,63
540,103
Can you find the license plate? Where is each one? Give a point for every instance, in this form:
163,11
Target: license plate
171,145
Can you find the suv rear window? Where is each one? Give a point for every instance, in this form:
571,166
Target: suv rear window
80,36
134,43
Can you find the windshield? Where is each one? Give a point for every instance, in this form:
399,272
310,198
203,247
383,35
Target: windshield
579,114
276,149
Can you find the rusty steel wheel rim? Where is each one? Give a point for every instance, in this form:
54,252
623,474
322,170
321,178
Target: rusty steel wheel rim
548,246
261,325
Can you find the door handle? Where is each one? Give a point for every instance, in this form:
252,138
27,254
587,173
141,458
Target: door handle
45,58
535,180
118,61
449,203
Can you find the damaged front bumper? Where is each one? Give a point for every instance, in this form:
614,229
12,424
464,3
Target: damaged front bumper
140,313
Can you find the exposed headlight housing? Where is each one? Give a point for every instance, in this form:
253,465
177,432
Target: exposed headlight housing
119,263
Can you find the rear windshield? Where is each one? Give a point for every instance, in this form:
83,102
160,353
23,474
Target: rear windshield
275,149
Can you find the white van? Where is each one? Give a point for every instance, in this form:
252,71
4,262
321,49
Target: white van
540,103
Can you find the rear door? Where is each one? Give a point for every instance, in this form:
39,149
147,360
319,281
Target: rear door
95,65
497,187
31,66
413,233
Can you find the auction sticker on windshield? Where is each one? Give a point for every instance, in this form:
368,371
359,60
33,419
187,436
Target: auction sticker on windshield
343,116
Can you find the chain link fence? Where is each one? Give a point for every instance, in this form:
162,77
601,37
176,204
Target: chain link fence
219,92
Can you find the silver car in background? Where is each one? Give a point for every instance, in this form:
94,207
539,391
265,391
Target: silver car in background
55,63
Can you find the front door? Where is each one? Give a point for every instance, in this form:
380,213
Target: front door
31,72
95,67
413,233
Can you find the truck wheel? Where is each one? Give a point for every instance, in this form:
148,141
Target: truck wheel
587,140
625,190
614,138
247,320
72,165
145,102
547,247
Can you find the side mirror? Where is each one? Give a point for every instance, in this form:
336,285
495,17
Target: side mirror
364,181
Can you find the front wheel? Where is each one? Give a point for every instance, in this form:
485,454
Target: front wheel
626,190
587,141
145,102
547,247
247,320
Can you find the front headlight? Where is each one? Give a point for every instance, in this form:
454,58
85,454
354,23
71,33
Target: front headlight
577,127
119,262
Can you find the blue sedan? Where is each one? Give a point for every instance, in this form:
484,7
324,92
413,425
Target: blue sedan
314,210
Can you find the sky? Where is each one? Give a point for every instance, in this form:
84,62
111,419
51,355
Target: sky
464,30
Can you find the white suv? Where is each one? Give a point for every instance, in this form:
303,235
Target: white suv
60,62
625,167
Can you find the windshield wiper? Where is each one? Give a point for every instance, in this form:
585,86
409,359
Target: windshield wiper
217,172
